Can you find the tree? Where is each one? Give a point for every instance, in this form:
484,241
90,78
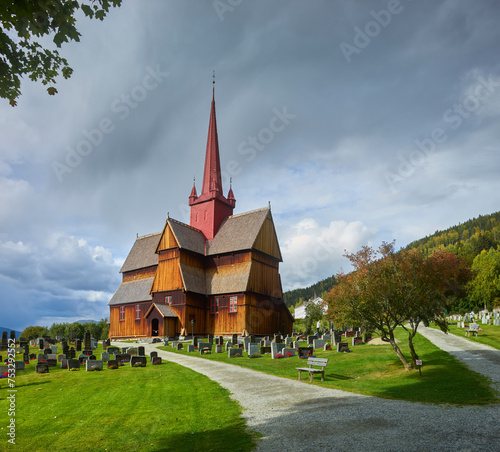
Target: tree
396,289
24,24
485,287
314,312
32,332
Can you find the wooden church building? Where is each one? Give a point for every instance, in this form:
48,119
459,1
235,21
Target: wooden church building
219,274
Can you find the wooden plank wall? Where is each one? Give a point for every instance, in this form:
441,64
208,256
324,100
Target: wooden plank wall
167,239
143,273
129,327
267,241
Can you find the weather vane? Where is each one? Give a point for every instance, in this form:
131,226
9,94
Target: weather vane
214,78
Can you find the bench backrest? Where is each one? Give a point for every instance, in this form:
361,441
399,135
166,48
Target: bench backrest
321,362
474,326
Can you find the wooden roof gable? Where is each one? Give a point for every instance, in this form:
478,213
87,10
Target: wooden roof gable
246,231
163,309
142,254
177,234
132,292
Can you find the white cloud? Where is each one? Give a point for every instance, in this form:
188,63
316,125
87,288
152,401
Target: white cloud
312,252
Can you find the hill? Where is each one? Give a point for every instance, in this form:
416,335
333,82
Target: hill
466,239
294,297
2,329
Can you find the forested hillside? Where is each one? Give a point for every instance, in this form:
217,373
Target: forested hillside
466,239
293,297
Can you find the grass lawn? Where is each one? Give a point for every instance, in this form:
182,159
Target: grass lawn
376,370
490,334
165,407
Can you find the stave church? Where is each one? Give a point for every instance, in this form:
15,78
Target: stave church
217,275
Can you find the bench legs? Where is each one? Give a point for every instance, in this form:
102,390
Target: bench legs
311,375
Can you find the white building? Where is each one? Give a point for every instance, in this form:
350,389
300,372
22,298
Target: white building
300,311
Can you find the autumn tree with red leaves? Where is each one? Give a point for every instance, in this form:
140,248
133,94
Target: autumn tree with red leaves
389,289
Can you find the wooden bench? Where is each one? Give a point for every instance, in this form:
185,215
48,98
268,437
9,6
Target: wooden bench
473,329
316,366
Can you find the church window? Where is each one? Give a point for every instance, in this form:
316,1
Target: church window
168,299
214,306
122,313
137,312
233,304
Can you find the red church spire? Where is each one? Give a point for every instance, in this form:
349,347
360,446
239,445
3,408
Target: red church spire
210,208
212,180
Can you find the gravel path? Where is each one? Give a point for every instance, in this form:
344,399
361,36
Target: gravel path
297,416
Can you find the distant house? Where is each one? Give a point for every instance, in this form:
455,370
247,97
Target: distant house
219,274
300,311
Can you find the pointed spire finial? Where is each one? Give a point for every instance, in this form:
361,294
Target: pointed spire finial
168,215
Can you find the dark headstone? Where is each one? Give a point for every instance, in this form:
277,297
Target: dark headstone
153,354
73,364
210,338
155,360
112,350
42,368
265,349
93,364
72,353
78,345
47,351
41,343
138,361
234,339
179,346
125,358
51,362
113,364
140,351
108,342
23,342
342,347
32,356
13,336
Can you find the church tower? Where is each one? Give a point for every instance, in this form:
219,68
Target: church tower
210,208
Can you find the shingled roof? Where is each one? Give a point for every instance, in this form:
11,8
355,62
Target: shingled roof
187,237
229,279
163,309
237,232
142,254
132,292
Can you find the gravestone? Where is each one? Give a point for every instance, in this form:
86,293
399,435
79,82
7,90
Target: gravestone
153,354
61,357
253,349
304,352
19,365
210,338
227,345
125,358
276,348
367,337
234,339
41,357
327,346
195,341
32,356
93,364
54,349
65,348
190,348
86,339
124,349
104,356
235,352
51,362
218,348
178,346
204,345
112,350
318,343
288,341
13,336
141,351
72,353
82,358
357,341
277,339
342,347
264,350
93,343
118,357
132,351
326,337
78,345
42,368
51,356
246,341
47,351
288,352
310,339
64,363
73,364
113,364
155,360
138,361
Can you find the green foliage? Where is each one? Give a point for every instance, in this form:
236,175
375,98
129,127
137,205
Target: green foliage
314,313
32,332
24,24
296,296
97,330
466,239
484,289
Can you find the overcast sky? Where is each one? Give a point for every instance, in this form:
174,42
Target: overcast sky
359,121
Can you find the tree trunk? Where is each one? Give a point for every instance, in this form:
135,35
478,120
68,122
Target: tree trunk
414,355
392,341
